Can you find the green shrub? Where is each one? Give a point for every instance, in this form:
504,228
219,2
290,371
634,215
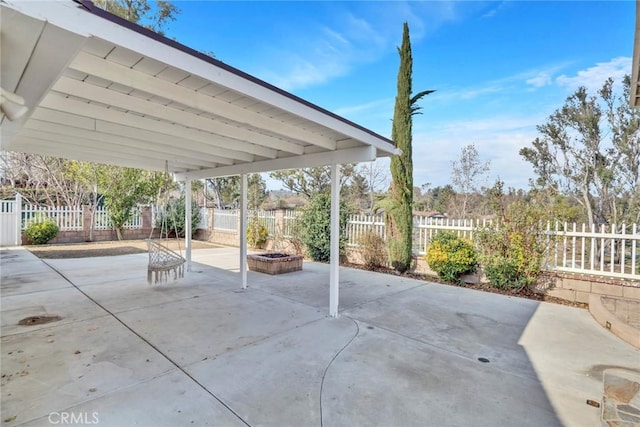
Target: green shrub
172,218
503,273
40,232
451,256
257,233
513,250
315,227
373,250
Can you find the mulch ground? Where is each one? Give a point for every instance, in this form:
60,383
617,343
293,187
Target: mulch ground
128,247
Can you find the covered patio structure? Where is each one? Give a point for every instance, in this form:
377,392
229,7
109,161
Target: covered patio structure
99,88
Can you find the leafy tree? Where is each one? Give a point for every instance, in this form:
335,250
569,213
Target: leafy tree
226,191
154,17
437,198
130,187
377,178
513,249
315,227
466,175
172,218
589,150
311,181
44,180
399,206
356,193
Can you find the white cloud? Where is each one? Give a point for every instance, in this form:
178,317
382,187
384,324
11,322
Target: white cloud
508,84
593,77
498,139
359,33
540,80
368,108
494,11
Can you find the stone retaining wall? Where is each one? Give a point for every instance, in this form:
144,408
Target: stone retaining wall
578,287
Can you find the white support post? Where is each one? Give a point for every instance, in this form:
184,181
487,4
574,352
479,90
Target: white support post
187,221
18,213
334,266
243,229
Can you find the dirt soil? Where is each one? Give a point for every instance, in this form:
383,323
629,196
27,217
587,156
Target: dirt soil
97,249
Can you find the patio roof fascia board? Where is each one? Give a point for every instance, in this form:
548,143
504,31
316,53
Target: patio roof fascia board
348,155
118,31
634,99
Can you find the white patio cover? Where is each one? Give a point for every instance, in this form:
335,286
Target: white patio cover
99,88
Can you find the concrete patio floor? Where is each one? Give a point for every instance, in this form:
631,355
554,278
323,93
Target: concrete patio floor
201,351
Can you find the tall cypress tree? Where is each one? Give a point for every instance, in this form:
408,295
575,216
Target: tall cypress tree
399,210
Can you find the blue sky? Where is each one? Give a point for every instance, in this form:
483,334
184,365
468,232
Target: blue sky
499,68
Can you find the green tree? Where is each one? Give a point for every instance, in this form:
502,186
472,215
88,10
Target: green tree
399,206
172,218
589,150
152,16
315,227
226,191
356,193
467,173
513,248
311,181
129,188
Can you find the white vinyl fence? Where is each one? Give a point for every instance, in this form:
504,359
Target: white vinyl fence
266,218
609,251
612,251
71,218
289,223
66,218
225,220
605,250
360,225
10,222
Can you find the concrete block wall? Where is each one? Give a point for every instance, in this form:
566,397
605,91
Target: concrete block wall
579,287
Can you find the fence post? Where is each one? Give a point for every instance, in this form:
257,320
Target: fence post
279,221
86,223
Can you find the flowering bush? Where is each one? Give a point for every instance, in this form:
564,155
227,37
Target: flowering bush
257,233
513,250
451,256
41,232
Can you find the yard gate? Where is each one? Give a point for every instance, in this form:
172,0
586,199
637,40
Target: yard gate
10,222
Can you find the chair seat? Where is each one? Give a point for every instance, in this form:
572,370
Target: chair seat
162,262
